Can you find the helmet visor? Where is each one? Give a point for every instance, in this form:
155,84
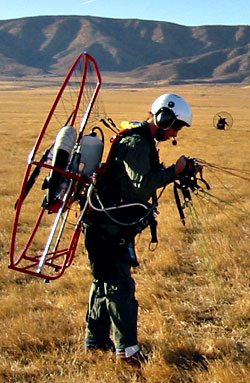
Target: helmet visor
178,124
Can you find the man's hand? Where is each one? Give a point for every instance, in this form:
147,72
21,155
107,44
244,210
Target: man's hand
187,165
180,165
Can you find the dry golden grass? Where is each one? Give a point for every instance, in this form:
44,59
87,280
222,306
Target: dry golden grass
193,290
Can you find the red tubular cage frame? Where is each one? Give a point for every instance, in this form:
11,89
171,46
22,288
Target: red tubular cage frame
68,253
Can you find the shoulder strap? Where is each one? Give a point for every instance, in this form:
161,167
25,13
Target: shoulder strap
141,130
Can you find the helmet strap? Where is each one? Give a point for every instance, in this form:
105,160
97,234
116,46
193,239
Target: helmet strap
160,134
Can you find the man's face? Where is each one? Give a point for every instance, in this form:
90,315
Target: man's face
171,132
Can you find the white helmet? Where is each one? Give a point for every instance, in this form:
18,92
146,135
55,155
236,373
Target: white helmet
176,104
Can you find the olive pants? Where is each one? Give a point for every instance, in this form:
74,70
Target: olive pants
112,303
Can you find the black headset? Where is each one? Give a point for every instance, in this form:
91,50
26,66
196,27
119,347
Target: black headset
164,117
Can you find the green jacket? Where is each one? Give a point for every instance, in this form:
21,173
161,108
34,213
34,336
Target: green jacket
135,171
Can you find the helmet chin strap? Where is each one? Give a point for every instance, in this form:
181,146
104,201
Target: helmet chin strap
160,134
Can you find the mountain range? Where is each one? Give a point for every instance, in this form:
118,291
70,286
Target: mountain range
127,50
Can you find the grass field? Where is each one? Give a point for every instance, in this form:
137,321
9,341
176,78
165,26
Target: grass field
193,290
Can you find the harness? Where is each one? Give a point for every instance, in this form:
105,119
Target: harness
107,178
185,184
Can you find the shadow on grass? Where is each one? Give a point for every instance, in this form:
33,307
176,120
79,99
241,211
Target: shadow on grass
186,359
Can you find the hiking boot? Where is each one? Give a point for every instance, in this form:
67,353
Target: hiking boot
132,358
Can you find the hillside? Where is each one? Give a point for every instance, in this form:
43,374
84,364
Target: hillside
129,49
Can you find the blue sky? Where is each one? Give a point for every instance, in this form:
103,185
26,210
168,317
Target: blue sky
184,12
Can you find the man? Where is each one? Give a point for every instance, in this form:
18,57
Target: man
132,177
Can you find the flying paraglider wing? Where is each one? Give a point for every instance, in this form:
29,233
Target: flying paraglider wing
47,223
